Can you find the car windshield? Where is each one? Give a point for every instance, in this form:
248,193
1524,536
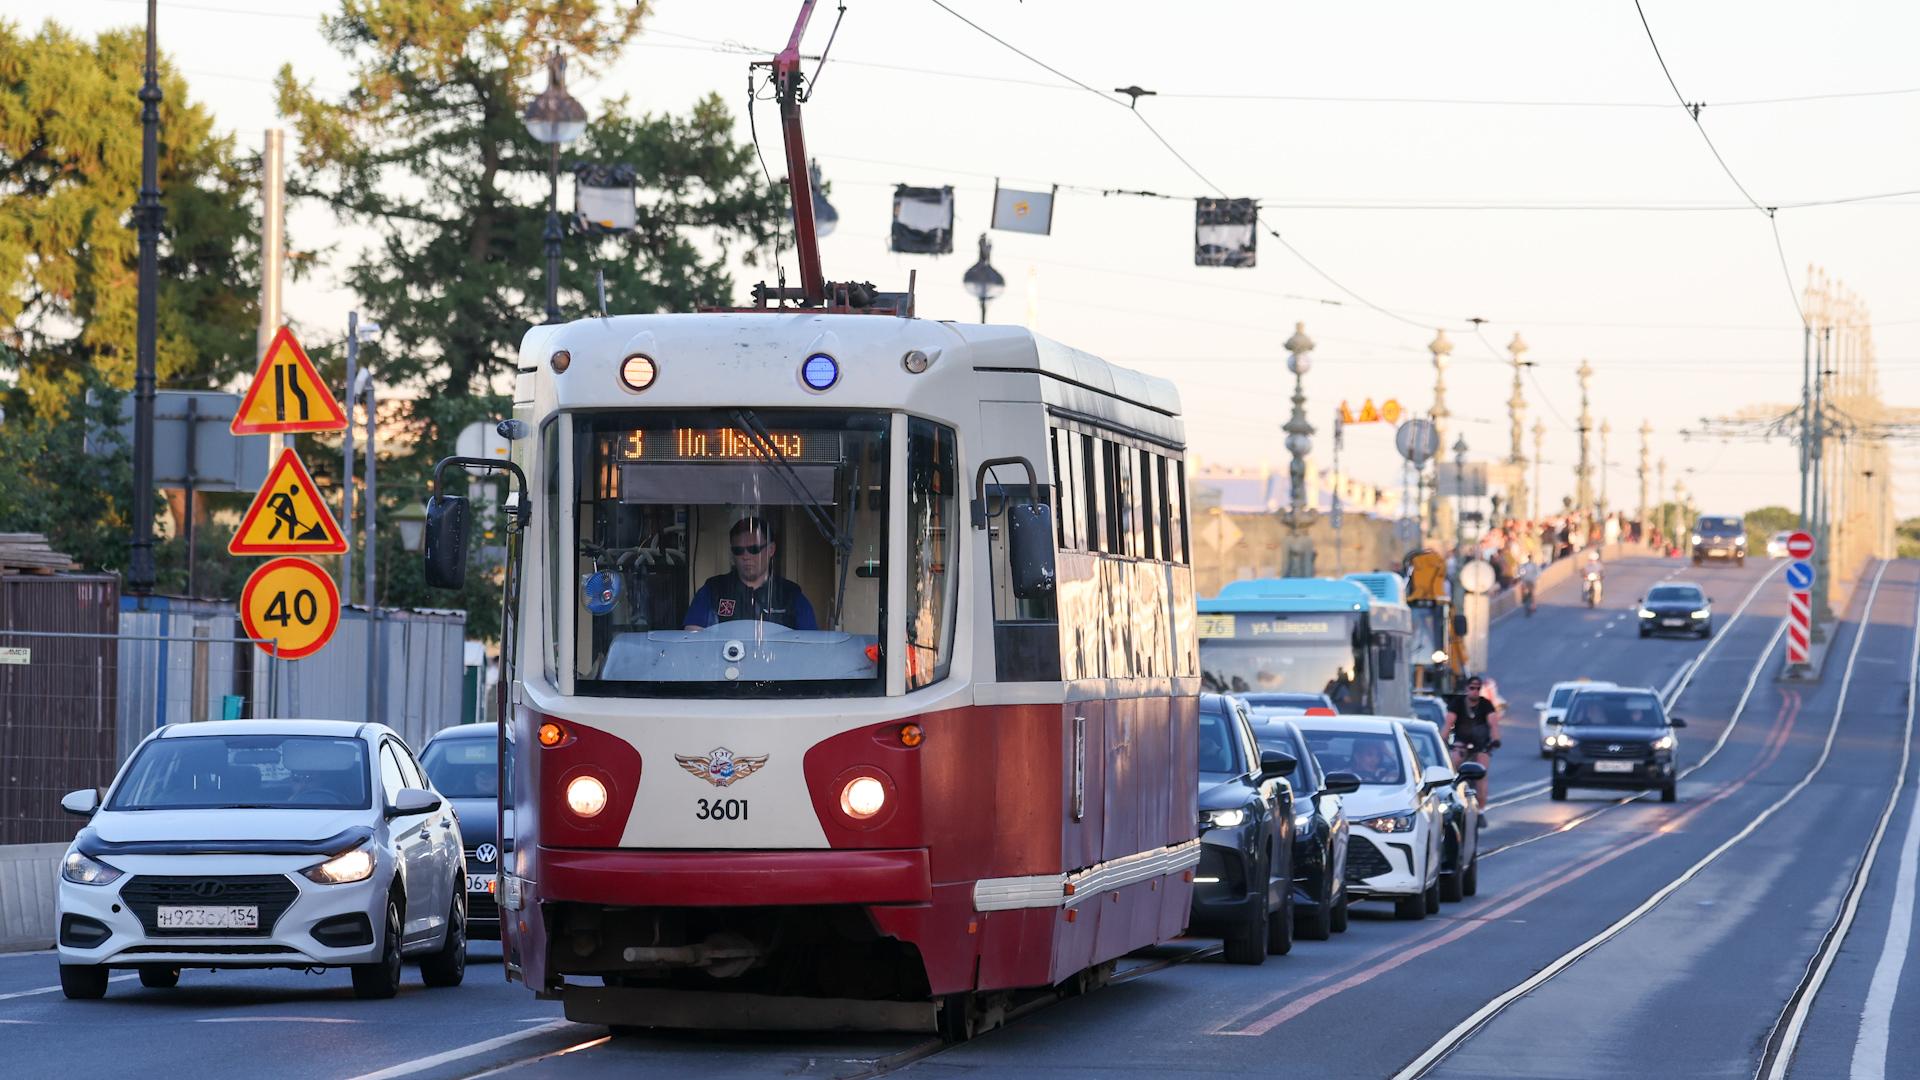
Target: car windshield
1720,526
1675,594
1297,655
1286,701
464,768
1616,710
1426,743
1372,757
270,772
1219,745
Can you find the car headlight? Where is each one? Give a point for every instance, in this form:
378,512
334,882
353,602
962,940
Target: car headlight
1222,819
1391,823
1645,614
1664,742
1703,613
1303,821
1560,740
85,870
1696,538
344,868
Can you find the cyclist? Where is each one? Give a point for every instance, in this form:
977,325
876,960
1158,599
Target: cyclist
1473,729
1529,577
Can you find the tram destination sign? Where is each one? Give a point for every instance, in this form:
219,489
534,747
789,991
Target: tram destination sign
722,444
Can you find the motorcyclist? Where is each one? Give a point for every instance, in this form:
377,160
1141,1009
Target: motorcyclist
1594,575
1529,577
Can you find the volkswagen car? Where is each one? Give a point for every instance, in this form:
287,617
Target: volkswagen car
1396,848
1617,739
263,844
1242,889
1460,859
1676,609
463,763
1319,832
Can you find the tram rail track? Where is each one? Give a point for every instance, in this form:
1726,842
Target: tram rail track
1466,1029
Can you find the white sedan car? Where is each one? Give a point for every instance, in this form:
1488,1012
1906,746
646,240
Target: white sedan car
1395,848
1555,707
264,843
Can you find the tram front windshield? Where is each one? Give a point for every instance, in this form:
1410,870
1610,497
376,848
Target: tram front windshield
725,552
1318,653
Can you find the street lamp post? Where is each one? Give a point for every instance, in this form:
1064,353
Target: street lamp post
1516,419
982,280
150,215
1583,473
1459,495
1441,348
1606,429
357,333
554,118
1646,433
1299,443
1539,444
1660,491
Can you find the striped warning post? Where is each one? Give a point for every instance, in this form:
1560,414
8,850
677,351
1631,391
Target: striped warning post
1799,623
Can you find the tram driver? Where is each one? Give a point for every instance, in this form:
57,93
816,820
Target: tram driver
751,590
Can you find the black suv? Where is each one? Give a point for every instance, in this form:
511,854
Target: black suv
1243,887
1319,832
1720,538
1615,739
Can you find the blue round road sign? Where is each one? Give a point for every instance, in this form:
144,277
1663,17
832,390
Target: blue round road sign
1799,575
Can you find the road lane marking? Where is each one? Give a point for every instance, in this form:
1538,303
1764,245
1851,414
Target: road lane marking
55,989
1396,954
434,1061
276,1020
1467,1028
1876,1016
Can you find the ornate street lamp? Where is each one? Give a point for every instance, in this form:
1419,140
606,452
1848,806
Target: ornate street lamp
554,118
1441,349
1299,444
982,280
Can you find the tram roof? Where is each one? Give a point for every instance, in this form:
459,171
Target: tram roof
853,339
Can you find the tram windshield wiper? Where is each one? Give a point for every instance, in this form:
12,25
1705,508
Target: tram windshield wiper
762,442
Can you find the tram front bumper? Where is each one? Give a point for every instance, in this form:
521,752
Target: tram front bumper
656,878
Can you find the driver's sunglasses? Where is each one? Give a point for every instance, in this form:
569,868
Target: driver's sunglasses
750,549
1472,686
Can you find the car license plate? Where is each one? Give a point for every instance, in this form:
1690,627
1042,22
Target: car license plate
1613,766
1673,622
209,918
481,883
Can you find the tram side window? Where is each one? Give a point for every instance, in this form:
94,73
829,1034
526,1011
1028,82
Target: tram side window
1066,521
1092,493
930,540
1177,508
1149,515
1026,635
554,602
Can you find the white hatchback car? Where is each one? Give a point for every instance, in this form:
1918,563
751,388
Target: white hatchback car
1555,707
1395,850
264,843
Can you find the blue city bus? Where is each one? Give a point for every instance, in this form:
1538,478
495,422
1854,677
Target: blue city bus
1349,638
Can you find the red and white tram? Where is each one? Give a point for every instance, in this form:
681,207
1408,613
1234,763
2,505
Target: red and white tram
852,662
934,788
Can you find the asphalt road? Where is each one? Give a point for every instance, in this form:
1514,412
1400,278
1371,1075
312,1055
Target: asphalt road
1759,925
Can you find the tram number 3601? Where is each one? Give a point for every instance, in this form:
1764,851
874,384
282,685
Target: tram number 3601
722,810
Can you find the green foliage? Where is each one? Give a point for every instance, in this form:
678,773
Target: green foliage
1764,522
1907,536
429,152
70,145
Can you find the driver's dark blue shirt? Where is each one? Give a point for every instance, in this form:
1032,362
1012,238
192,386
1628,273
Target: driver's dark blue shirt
725,598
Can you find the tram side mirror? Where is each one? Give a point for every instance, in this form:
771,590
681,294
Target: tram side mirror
1030,549
447,528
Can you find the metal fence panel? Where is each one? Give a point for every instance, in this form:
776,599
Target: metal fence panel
56,699
183,660
409,680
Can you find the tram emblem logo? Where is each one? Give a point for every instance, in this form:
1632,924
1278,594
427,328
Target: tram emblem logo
720,767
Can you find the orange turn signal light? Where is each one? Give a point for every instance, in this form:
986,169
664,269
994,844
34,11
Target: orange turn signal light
552,734
911,735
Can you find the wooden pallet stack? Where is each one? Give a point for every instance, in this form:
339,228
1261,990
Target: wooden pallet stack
28,553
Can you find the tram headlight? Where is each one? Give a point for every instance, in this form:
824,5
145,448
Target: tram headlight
586,796
863,797
638,372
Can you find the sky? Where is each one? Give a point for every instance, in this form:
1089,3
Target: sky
1520,163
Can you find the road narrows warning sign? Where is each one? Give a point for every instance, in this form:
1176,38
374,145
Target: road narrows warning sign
292,605
287,516
287,394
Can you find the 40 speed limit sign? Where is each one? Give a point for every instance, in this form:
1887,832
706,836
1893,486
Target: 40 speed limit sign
290,608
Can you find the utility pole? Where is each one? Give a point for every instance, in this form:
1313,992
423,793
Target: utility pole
150,215
1606,429
273,250
1583,472
1646,433
1666,518
1441,348
1516,421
